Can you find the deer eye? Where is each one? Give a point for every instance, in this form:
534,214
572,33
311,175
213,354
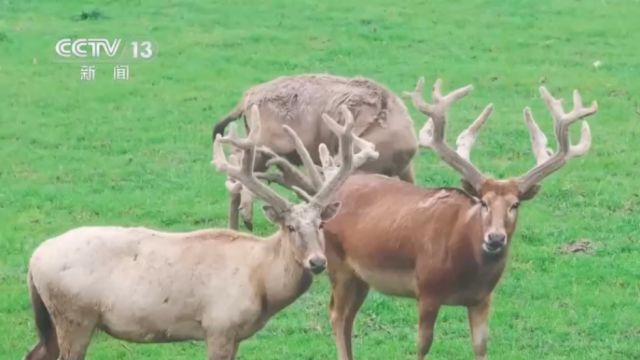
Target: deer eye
484,205
321,226
291,228
515,205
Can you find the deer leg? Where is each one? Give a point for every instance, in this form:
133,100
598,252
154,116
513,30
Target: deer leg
478,319
74,336
234,206
221,347
428,309
348,294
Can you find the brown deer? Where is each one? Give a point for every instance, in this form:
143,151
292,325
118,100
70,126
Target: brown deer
441,246
380,117
143,285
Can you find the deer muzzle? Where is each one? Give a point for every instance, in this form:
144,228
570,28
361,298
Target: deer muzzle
494,242
316,263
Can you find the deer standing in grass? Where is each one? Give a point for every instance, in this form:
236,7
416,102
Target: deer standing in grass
441,246
143,285
379,116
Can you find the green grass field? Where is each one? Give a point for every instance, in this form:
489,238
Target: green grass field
137,152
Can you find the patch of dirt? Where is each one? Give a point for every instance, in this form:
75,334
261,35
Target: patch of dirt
90,15
580,246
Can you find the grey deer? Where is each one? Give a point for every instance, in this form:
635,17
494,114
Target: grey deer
380,117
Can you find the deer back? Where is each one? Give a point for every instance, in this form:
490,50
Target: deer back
300,101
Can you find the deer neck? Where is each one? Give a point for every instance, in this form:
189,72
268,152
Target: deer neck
284,278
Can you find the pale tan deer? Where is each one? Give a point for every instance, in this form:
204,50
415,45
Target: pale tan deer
441,246
380,117
143,285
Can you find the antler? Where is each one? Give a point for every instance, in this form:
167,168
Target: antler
548,162
331,165
244,173
235,158
467,138
538,140
327,162
367,151
289,174
307,162
432,135
233,185
346,158
334,170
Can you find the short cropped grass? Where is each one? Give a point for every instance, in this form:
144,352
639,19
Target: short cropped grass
137,152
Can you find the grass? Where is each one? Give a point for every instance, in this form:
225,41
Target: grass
137,152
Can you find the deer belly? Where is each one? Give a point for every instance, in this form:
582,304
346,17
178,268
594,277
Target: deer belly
160,326
390,282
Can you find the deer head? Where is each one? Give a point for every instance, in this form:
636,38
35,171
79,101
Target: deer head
301,223
498,200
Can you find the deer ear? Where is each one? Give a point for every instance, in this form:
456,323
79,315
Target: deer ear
469,188
272,214
530,193
330,211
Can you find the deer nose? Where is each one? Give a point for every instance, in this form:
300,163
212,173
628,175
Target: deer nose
494,242
497,239
317,264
